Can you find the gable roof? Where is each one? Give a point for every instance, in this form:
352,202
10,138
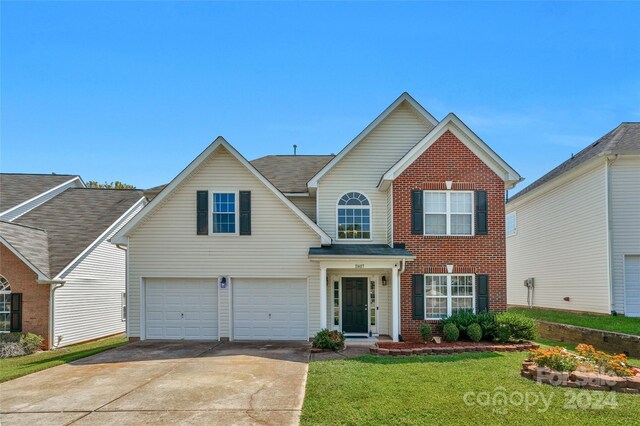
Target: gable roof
453,124
17,188
290,173
74,219
624,139
31,245
120,236
405,97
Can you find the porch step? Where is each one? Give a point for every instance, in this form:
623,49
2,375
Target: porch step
360,342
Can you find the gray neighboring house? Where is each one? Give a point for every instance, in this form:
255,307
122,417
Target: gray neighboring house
60,277
576,231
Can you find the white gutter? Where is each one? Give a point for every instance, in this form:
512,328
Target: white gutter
54,286
609,161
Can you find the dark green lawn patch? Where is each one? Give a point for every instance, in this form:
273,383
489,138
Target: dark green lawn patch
12,368
599,322
425,390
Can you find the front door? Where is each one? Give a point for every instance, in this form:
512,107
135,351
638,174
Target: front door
355,317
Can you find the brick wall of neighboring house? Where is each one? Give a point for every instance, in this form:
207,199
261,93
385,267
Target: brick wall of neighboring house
448,159
35,297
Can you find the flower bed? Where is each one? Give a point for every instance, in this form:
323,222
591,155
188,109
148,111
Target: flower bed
589,369
445,348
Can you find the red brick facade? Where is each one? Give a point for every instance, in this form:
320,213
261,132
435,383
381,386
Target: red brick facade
448,159
35,297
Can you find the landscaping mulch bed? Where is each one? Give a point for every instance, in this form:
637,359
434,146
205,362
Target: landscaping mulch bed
445,348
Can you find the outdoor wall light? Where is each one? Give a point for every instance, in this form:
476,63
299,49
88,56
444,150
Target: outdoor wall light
384,280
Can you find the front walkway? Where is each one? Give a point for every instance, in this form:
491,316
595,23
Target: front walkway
166,383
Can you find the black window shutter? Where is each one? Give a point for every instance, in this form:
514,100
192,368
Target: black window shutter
417,217
482,293
245,212
417,296
202,212
16,313
482,219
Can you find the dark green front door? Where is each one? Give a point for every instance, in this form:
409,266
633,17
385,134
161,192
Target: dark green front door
355,317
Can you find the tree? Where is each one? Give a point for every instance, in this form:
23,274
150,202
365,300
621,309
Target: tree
113,185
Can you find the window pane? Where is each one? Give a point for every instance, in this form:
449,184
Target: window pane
436,285
461,285
461,224
436,307
354,223
460,202
5,323
435,224
459,304
435,202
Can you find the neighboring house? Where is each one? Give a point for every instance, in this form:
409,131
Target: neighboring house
576,231
60,277
405,225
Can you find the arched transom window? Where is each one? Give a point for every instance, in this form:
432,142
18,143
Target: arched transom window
354,217
5,305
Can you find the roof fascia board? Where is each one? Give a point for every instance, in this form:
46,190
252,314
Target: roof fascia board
95,242
313,183
34,268
42,195
350,257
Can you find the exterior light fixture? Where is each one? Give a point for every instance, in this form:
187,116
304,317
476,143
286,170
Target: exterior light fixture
384,280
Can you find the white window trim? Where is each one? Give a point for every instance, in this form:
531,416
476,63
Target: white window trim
237,213
449,297
370,207
515,224
448,213
6,291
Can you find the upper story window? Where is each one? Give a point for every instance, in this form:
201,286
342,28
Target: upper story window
224,213
511,224
448,294
354,217
448,213
5,305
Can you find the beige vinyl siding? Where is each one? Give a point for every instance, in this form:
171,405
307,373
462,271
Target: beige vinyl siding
306,204
561,241
625,219
361,169
89,305
165,244
390,215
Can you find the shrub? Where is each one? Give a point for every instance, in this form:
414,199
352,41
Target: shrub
10,337
556,358
502,333
462,320
520,327
328,339
474,331
11,349
450,332
615,365
31,342
425,332
487,321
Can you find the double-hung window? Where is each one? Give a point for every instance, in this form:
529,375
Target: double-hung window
224,213
448,213
354,217
447,294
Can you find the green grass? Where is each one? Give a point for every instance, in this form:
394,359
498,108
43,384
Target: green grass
424,390
12,368
599,322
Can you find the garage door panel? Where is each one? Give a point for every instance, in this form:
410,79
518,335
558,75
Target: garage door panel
632,285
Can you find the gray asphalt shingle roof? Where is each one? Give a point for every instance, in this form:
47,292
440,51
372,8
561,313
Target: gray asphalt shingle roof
359,250
76,218
16,188
290,173
624,139
32,243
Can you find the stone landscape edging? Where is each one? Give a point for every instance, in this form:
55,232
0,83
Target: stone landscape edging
448,350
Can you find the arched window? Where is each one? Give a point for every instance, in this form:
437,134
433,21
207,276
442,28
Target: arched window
354,217
5,305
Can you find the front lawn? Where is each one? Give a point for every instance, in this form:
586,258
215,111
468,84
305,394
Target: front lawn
599,322
422,390
12,368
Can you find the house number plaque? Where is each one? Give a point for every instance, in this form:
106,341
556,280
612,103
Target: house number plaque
359,265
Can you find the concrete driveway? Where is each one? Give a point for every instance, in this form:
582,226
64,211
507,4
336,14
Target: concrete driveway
166,383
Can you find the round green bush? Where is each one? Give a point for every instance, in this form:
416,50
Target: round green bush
425,332
328,339
474,331
520,327
450,332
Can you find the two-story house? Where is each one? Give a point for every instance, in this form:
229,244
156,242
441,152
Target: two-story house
404,226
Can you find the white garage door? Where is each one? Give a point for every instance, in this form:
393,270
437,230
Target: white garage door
269,309
178,309
632,285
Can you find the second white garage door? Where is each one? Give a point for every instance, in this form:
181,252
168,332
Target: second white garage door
632,285
269,309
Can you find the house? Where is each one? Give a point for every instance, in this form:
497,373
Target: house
60,277
404,226
576,231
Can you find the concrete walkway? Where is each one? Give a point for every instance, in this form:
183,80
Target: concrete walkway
165,383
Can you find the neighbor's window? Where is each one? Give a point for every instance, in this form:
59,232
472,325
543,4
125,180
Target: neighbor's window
354,217
448,213
511,224
224,213
5,305
446,295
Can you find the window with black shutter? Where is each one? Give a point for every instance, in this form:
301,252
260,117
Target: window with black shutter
417,208
482,213
202,213
245,212
417,296
482,293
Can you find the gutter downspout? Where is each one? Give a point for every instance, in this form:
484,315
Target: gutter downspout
609,161
54,286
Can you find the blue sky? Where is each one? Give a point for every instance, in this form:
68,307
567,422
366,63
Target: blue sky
134,91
